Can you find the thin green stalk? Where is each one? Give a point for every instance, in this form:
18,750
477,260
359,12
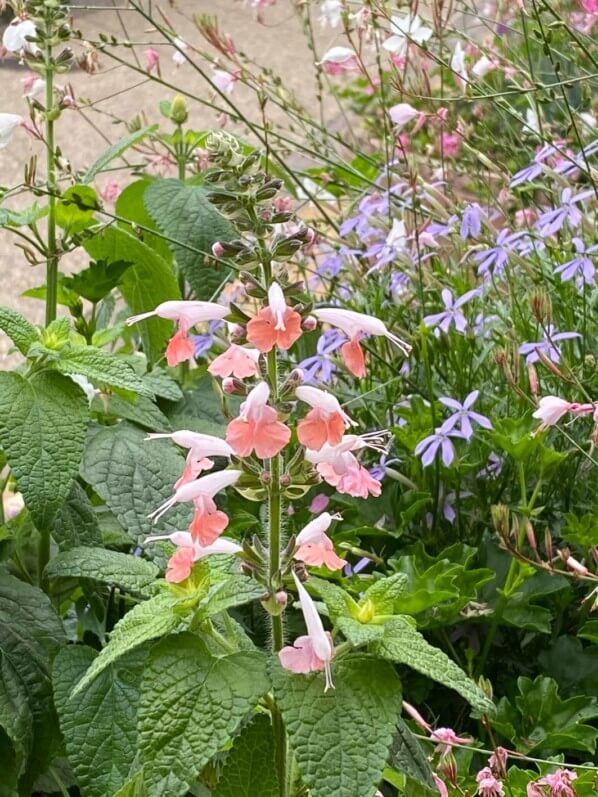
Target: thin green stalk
51,249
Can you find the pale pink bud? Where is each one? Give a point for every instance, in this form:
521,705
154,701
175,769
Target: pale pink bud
152,59
402,114
228,385
217,249
309,323
281,597
576,567
319,504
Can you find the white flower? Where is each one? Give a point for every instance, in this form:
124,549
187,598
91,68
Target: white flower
338,55
483,66
316,191
588,119
532,121
223,80
551,409
458,63
404,30
397,236
177,56
14,37
402,114
85,385
8,124
330,13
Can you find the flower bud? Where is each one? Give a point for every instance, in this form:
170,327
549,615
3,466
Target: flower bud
228,385
309,323
217,249
178,110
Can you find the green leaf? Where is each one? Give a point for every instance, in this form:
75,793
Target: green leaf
99,724
130,206
30,636
98,280
336,756
233,591
163,385
199,410
383,594
142,411
18,329
116,150
404,644
250,768
42,432
358,633
76,207
408,757
149,281
134,476
102,368
540,720
338,602
191,704
149,620
76,523
133,788
16,720
109,567
186,216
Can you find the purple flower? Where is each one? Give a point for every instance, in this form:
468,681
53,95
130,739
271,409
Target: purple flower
535,169
203,343
349,571
452,313
493,260
320,367
436,228
392,247
439,442
471,222
493,467
568,213
399,282
568,166
448,508
380,470
482,326
464,416
546,345
580,267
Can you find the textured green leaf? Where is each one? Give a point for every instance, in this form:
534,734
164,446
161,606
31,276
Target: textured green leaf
99,724
96,281
133,788
199,410
341,738
18,329
191,703
134,477
358,633
130,206
30,636
186,216
102,368
110,567
149,281
384,593
163,385
404,644
408,757
116,150
142,411
17,721
76,522
233,591
149,620
338,602
42,432
250,768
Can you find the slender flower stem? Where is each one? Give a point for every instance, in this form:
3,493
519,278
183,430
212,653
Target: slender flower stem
51,249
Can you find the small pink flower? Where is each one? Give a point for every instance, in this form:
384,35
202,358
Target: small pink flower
257,428
550,410
33,85
558,783
235,361
488,786
188,552
325,422
498,762
339,60
402,114
180,565
576,567
440,785
314,651
225,81
275,325
315,546
415,715
446,737
589,6
450,144
152,60
200,447
110,192
319,503
187,314
338,466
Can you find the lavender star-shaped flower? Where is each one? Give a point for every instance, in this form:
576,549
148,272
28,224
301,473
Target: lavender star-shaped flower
452,314
492,261
203,343
568,213
581,266
471,222
321,368
464,416
546,345
434,444
535,169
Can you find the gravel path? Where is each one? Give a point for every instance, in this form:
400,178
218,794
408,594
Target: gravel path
278,45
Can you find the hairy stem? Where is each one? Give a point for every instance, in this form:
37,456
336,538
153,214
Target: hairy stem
51,249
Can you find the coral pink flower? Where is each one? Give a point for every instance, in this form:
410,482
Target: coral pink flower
275,325
257,428
200,447
338,466
187,314
208,521
314,651
235,361
325,422
315,546
355,326
188,552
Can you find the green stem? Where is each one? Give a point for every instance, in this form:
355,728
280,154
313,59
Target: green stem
51,249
